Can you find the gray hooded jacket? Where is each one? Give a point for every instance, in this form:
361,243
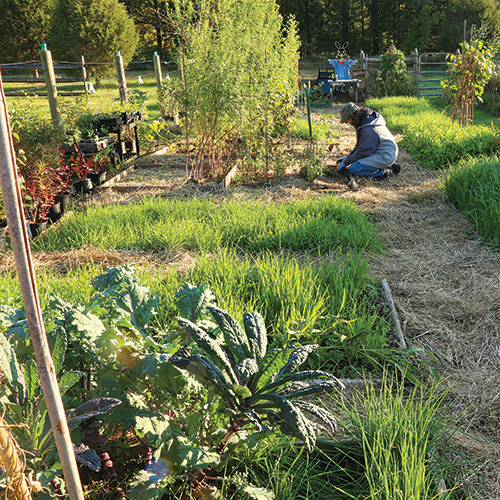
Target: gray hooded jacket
375,145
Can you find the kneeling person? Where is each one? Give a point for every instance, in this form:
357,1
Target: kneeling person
376,149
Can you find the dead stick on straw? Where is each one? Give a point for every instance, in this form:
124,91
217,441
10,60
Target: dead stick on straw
390,302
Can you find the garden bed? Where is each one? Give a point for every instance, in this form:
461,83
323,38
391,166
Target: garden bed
443,280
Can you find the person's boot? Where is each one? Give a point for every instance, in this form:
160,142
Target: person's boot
396,168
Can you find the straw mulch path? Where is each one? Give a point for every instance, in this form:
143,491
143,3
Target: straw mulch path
446,286
445,282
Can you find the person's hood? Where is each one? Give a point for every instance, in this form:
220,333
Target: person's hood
373,120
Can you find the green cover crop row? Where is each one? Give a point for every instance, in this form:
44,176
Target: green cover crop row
430,136
473,185
472,179
153,225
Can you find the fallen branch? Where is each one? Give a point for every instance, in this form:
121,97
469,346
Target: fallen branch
388,297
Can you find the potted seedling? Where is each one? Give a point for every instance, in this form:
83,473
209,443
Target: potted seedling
38,194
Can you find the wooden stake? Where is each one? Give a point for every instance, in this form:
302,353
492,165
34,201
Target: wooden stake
158,76
120,75
13,205
50,82
85,79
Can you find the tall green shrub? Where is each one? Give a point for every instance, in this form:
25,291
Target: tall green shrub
23,26
95,29
239,68
392,78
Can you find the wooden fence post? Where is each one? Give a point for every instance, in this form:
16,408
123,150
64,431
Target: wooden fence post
84,76
13,204
415,63
50,82
120,75
158,75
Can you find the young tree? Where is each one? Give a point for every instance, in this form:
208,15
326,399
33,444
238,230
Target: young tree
239,71
23,27
95,29
470,70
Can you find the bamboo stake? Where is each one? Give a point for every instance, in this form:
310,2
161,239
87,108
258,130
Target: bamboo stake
11,194
392,307
10,460
309,120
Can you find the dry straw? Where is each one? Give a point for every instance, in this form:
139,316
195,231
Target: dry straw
12,460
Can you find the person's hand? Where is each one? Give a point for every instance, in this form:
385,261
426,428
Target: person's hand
341,165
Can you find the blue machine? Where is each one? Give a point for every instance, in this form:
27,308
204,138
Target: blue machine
326,74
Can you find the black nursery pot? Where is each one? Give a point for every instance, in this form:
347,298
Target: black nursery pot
3,237
64,200
83,187
37,228
55,212
98,179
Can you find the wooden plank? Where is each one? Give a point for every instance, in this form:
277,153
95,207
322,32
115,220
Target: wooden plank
27,67
40,80
117,178
40,94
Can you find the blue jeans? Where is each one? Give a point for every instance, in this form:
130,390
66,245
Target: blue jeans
358,168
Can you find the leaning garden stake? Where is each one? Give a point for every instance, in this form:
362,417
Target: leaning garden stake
22,254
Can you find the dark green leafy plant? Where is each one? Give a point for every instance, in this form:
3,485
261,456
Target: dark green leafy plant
260,388
25,407
257,385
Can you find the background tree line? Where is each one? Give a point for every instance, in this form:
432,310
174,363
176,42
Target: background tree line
372,25
97,28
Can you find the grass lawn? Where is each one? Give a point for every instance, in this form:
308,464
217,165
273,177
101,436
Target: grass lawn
105,99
